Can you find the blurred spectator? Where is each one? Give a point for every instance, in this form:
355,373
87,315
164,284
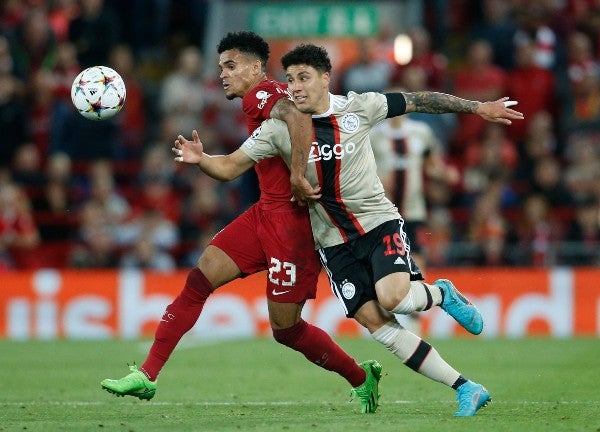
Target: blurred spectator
13,111
98,251
12,15
151,225
407,155
157,163
41,110
94,32
443,125
53,213
56,106
581,97
478,79
497,28
493,158
532,87
581,60
19,235
433,64
585,17
369,72
540,141
83,139
64,72
548,181
157,194
27,167
194,251
59,168
54,208
149,26
584,166
156,180
536,234
533,27
60,15
103,191
204,207
146,255
92,218
96,246
132,119
440,236
487,231
582,238
581,112
34,46
440,195
183,96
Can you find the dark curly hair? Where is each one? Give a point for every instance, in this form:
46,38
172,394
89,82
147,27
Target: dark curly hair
308,54
246,42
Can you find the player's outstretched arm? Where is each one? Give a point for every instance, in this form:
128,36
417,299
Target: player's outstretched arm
220,167
300,128
498,111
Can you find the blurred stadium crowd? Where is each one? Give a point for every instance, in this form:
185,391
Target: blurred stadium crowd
75,193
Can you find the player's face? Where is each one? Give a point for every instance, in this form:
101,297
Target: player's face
309,88
239,73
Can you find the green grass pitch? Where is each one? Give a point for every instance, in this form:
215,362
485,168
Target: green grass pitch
257,385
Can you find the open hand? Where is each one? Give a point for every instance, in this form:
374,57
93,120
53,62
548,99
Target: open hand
499,111
188,151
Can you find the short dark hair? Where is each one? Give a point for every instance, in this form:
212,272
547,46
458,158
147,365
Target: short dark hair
246,42
308,54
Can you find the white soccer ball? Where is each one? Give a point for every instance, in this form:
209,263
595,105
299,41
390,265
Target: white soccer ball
98,93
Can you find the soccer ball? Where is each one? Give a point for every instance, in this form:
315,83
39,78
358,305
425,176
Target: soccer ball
98,93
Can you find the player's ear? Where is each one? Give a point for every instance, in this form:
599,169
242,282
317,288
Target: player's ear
257,67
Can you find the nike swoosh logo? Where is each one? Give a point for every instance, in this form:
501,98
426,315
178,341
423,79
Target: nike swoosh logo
276,293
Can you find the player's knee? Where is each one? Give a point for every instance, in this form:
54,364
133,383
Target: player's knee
217,266
372,316
392,290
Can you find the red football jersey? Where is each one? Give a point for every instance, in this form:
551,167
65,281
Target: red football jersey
273,174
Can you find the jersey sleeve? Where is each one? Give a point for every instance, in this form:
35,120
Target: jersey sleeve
259,101
265,141
374,105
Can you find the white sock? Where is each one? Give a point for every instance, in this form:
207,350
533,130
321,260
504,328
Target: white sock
420,297
415,353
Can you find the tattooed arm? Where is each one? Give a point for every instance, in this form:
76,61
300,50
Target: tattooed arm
300,129
438,103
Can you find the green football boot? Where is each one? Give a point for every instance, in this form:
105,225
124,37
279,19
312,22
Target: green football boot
368,392
135,384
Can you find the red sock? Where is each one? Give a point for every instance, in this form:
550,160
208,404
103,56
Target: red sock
318,347
179,317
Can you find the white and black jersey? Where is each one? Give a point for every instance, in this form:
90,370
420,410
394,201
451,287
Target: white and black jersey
341,162
402,152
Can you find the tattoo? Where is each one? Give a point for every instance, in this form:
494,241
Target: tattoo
300,129
282,108
438,103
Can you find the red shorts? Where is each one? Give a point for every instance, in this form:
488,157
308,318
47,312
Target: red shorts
280,241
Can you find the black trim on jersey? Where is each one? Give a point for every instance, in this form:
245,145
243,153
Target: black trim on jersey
324,129
396,104
400,174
